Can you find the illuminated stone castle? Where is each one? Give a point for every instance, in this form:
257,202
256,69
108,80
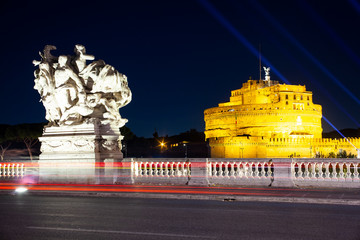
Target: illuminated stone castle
265,119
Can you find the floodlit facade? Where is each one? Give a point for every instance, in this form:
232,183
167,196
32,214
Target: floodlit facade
265,119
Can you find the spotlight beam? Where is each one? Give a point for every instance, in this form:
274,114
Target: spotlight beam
218,16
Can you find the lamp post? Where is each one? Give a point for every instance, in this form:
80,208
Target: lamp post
162,146
185,145
124,146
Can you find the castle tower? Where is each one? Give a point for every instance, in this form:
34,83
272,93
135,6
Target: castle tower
260,111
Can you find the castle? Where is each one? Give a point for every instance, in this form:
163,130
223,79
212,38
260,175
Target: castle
265,119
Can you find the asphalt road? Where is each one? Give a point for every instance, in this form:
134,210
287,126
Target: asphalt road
59,217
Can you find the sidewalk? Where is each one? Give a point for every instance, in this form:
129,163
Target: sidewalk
314,196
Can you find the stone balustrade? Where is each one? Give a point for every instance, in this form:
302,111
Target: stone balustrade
160,170
12,170
240,171
326,172
248,172
295,172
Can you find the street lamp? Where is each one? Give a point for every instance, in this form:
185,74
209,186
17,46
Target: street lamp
162,146
185,145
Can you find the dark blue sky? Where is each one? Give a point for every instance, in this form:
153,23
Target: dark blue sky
182,57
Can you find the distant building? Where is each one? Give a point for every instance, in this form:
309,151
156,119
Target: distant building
268,119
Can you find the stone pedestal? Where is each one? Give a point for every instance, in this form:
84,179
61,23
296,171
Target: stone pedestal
282,173
199,174
85,153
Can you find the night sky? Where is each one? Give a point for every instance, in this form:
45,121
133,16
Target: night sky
182,57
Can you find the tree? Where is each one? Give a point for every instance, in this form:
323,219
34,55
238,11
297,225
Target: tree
342,154
3,148
29,143
127,133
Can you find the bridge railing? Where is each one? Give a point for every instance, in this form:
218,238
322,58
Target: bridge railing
12,170
160,170
294,172
249,172
326,172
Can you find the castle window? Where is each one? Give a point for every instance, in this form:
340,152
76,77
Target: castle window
287,103
301,97
294,97
286,97
308,98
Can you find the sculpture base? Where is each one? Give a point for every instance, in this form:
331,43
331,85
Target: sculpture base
83,153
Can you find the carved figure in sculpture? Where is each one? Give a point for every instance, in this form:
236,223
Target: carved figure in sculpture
73,92
45,85
267,71
81,57
69,92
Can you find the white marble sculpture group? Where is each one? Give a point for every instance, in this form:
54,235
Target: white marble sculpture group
74,93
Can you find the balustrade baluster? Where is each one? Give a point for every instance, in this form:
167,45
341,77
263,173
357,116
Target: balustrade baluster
172,171
167,170
256,172
341,173
238,170
182,171
8,171
334,172
226,169
156,170
177,173
321,173
162,169
327,171
148,169
348,172
22,170
220,169
334,175
313,170
241,169
307,172
232,171
246,170
263,170
356,172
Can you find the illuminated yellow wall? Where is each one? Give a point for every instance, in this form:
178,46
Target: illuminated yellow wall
268,119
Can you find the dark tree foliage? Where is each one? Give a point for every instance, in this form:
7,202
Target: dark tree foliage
21,131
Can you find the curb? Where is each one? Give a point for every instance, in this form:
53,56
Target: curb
225,198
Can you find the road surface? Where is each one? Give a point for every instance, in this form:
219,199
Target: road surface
64,217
